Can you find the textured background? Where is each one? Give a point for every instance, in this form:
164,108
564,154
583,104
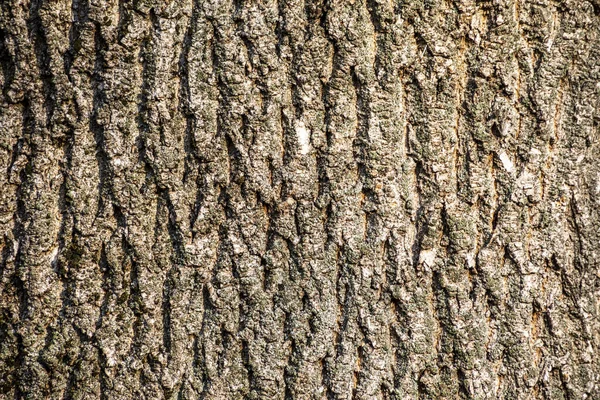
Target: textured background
299,199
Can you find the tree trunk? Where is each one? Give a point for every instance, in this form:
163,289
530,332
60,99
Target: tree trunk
299,199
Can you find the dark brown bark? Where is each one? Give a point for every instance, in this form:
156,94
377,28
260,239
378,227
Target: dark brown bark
299,199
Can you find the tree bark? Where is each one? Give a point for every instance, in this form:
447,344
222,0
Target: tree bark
299,199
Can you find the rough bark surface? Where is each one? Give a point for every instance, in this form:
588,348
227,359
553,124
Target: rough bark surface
299,199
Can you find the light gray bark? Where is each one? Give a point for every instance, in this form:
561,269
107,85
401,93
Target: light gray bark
299,199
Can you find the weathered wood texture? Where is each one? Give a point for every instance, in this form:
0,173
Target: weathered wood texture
299,199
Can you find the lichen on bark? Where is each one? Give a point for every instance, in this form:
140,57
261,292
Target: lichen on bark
299,199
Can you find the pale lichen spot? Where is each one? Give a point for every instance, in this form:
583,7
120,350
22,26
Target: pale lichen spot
303,137
427,257
506,162
54,256
470,261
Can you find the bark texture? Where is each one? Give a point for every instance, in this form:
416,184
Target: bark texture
299,199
